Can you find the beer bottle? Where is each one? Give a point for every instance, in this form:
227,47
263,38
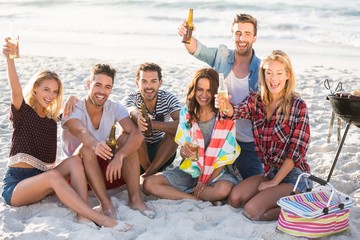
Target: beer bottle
111,142
149,131
189,27
194,145
222,91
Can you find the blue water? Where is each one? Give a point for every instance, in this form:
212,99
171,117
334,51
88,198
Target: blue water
154,23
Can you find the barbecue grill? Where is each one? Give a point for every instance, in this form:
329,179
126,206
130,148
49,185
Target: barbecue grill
347,107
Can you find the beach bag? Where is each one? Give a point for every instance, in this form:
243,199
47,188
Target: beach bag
322,212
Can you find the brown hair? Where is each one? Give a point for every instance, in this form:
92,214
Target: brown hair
153,67
103,69
245,18
192,104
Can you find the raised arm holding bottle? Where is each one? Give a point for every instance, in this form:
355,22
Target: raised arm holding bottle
240,67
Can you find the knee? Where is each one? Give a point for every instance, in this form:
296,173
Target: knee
54,177
148,185
223,190
235,199
251,211
77,163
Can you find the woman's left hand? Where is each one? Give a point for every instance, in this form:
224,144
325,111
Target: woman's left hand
267,184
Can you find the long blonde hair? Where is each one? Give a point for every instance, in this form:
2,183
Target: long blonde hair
289,90
53,110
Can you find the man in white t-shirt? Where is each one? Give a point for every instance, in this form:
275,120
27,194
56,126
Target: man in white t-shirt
85,132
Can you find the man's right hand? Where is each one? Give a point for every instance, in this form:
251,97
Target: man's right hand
182,29
69,106
141,122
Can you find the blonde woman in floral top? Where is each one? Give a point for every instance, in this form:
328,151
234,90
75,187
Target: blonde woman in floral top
282,134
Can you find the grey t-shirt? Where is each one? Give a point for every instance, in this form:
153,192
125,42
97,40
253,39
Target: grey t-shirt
207,129
112,112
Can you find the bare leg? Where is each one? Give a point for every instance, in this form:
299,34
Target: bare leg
143,156
96,180
130,172
263,207
166,149
34,189
73,168
158,186
245,190
219,191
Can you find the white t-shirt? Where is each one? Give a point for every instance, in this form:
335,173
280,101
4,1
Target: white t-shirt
113,112
238,89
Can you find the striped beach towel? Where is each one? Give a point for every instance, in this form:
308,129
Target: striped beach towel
222,150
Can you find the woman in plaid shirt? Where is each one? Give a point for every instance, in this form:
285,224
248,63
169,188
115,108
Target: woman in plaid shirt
282,134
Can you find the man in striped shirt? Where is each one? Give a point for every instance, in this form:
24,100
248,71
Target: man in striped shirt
158,151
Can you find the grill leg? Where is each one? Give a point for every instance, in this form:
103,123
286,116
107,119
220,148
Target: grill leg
339,150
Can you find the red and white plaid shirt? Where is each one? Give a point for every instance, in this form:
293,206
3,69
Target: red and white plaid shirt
277,140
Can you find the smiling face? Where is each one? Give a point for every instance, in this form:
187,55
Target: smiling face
99,89
243,37
46,93
203,92
276,77
148,85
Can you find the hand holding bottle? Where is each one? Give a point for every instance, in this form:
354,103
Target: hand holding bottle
194,146
148,131
223,94
186,28
224,103
14,41
111,141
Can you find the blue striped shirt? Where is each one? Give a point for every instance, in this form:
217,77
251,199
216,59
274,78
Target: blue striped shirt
166,104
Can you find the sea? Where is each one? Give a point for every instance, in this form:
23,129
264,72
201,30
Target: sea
329,25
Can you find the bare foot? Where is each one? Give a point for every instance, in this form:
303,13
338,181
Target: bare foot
121,226
108,212
142,208
87,222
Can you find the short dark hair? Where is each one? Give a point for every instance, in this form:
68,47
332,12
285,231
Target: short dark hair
245,18
153,67
103,69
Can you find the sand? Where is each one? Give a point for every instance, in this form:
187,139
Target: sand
183,219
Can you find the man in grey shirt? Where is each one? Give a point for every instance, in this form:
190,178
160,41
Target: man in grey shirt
85,132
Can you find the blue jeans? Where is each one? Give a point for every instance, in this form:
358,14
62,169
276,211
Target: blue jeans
12,177
248,162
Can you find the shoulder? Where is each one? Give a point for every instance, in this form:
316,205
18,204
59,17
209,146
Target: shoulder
167,95
224,50
298,102
113,105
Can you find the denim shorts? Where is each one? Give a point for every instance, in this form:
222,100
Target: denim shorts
183,181
12,177
292,177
